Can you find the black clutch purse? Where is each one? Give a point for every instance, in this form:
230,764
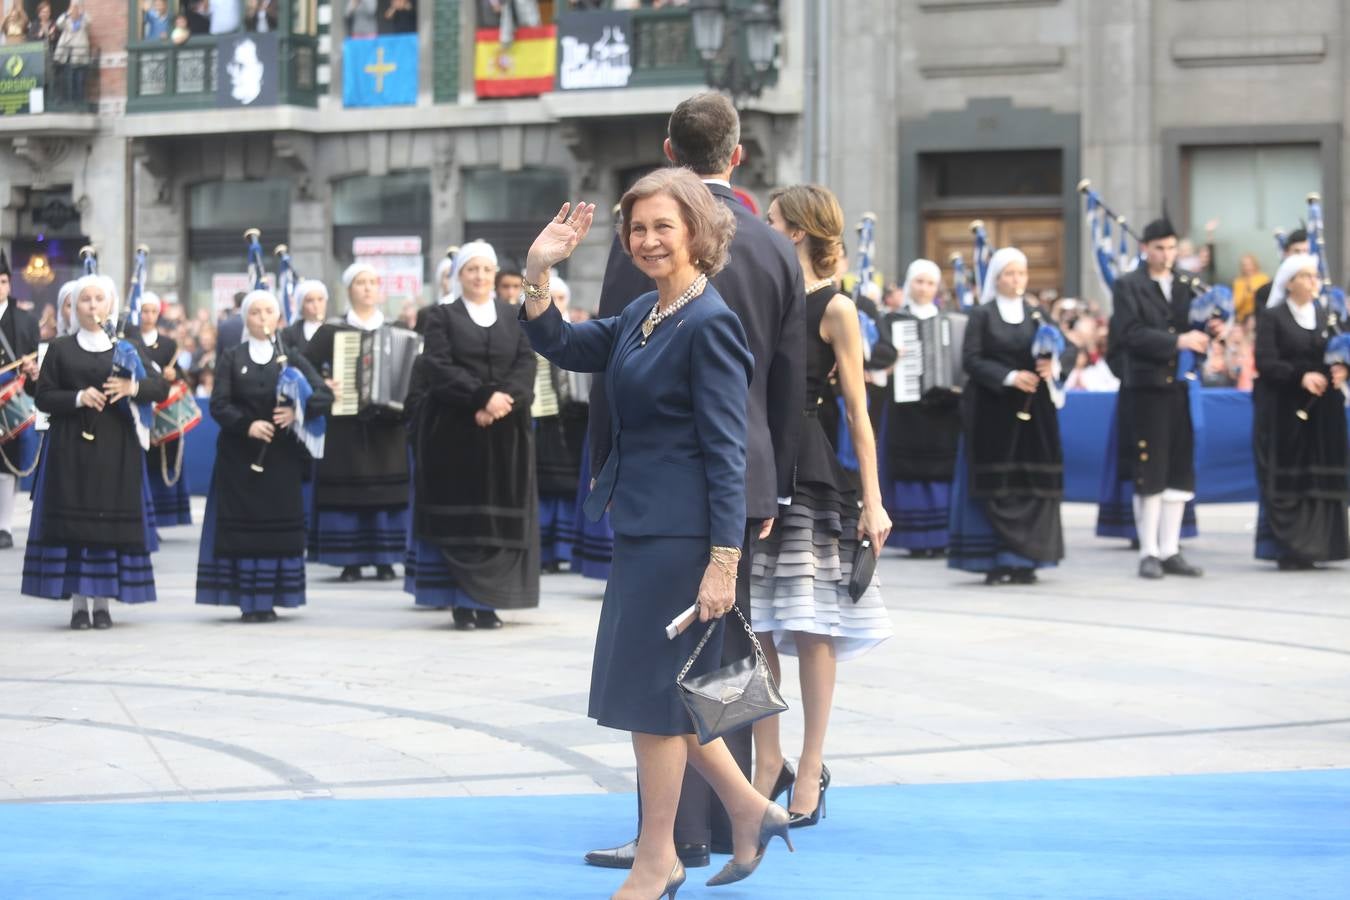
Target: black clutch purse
733,696
864,567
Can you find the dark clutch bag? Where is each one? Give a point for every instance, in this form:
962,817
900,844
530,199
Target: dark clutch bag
864,567
733,696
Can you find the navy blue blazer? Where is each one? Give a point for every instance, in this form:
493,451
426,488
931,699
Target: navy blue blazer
677,415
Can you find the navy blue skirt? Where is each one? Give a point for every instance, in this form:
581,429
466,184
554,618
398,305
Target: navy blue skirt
58,571
253,584
173,503
919,512
557,528
358,537
633,673
974,545
593,549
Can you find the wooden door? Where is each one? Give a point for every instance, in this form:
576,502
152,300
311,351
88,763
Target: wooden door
1040,235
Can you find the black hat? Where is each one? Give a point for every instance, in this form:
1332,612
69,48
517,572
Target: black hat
4,263
1297,236
1157,230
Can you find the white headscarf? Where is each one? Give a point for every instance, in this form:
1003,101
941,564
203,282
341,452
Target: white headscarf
64,323
921,267
471,250
997,264
442,269
255,296
78,286
349,274
307,287
557,286
150,298
1292,265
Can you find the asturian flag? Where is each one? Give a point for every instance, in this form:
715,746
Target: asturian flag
380,71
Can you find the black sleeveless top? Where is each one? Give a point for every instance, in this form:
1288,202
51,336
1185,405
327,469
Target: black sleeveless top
819,355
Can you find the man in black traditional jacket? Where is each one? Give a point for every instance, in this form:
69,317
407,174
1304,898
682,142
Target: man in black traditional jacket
18,338
1151,322
763,285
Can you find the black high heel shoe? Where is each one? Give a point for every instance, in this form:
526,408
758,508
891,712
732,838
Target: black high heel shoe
786,778
802,820
674,882
774,824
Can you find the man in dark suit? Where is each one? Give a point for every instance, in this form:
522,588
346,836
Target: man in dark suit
231,330
763,285
1151,322
18,338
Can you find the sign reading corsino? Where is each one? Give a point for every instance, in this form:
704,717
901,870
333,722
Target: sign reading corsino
23,71
594,50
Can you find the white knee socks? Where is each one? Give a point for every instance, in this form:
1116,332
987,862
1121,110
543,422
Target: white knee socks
100,604
79,603
1147,516
1169,533
9,486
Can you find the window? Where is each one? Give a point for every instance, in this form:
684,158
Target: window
507,209
1250,191
386,206
1001,173
218,214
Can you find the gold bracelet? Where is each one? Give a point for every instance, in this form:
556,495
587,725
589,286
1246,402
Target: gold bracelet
727,559
536,291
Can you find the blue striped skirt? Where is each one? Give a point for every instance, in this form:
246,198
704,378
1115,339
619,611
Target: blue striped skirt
919,513
427,576
172,504
557,528
253,584
358,537
974,546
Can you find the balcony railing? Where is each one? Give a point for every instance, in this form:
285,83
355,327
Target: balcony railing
165,77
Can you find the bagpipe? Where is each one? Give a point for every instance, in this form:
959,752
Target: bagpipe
1046,344
1331,296
293,389
1209,303
1110,252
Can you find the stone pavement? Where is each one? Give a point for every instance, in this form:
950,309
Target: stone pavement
1091,673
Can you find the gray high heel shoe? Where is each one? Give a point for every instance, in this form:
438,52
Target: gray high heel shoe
674,882
774,824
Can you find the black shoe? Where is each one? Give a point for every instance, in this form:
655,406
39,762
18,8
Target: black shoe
486,618
996,576
1289,564
6,540
266,615
79,620
799,820
918,553
786,778
1177,565
1151,567
694,856
248,617
1134,544
350,573
102,620
464,619
1023,576
384,573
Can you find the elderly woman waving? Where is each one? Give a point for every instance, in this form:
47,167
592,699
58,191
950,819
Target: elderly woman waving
678,369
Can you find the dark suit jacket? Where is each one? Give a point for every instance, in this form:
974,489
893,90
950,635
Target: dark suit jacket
677,467
230,332
21,331
1144,327
763,285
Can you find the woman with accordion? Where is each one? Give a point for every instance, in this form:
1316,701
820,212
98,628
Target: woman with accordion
90,537
268,406
1005,520
1301,450
921,439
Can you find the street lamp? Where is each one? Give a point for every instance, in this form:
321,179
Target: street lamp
719,24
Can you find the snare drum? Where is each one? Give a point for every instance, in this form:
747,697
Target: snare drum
17,410
174,417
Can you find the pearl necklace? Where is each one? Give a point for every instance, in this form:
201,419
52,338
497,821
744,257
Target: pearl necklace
656,317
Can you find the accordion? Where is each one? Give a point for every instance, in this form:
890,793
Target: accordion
930,355
374,367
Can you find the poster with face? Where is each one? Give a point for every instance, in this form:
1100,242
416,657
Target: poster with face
248,68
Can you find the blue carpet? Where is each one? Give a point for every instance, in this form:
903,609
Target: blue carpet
1271,835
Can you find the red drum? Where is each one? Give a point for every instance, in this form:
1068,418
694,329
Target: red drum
174,417
17,410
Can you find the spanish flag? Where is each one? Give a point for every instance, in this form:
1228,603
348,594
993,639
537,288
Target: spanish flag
524,69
